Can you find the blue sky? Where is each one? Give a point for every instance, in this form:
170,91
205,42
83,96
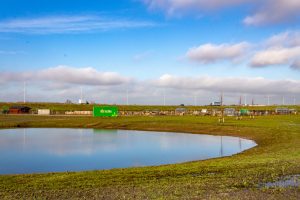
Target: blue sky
150,47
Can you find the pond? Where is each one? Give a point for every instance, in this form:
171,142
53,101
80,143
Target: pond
39,150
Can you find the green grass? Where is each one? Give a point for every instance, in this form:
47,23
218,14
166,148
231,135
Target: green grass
61,107
235,177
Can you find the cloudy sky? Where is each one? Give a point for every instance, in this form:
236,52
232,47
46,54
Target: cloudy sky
154,51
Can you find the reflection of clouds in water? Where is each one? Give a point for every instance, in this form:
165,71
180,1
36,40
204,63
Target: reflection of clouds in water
85,149
64,142
57,141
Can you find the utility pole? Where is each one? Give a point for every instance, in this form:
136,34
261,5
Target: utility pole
240,100
221,98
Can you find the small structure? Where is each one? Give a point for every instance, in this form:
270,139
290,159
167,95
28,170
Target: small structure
180,111
244,112
284,111
229,112
216,103
79,112
293,111
43,112
105,111
19,110
204,111
153,112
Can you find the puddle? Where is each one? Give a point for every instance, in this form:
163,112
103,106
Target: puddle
288,181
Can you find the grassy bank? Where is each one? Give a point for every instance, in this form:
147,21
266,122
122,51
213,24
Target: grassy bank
236,177
61,107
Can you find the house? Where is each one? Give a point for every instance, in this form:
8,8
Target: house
229,112
19,110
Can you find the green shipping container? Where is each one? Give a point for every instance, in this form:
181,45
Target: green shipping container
244,112
105,111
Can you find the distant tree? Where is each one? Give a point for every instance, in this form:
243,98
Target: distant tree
5,109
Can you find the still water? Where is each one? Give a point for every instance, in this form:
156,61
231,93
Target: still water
36,150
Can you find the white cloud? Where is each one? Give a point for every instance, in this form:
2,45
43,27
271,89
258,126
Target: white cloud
264,11
173,7
274,11
256,85
209,53
68,24
287,39
87,76
67,75
275,56
280,49
49,85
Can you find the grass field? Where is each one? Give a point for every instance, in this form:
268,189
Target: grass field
61,107
236,177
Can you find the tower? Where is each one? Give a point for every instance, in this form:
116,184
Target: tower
221,98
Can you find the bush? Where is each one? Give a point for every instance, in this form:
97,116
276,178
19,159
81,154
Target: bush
5,110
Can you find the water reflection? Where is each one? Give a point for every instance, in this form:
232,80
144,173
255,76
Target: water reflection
48,150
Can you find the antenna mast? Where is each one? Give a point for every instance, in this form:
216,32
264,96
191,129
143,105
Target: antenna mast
222,98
